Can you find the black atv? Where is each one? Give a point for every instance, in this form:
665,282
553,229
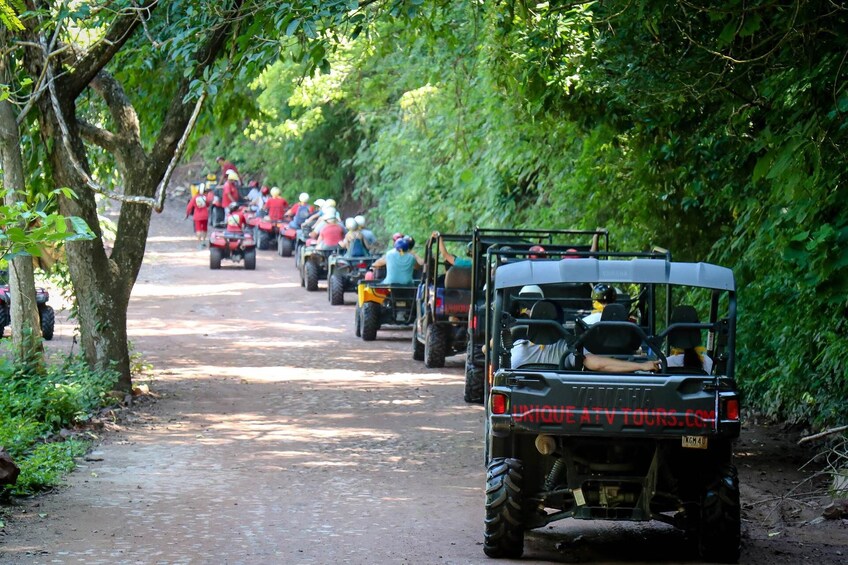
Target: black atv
46,315
344,274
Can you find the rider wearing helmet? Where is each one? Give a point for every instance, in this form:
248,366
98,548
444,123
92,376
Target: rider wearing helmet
225,167
230,193
602,294
235,219
367,235
276,205
399,262
354,241
537,252
300,211
198,206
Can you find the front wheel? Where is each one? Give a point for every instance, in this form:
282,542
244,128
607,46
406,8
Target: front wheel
370,321
47,318
503,535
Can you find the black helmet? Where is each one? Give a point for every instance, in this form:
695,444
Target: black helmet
469,249
604,293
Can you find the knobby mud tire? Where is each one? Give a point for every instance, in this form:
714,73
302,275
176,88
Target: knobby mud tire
417,346
263,240
311,276
435,344
47,319
5,318
215,257
473,378
503,534
336,290
370,321
719,533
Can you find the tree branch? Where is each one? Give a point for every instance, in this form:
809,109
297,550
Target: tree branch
99,136
96,58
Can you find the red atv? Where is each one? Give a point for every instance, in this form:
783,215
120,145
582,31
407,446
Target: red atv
46,316
265,231
286,238
236,246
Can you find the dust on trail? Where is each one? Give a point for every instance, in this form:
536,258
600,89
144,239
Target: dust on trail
274,435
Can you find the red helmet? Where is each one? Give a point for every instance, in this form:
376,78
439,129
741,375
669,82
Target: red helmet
265,190
571,253
537,252
253,184
397,236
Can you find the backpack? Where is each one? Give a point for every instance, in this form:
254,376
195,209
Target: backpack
200,201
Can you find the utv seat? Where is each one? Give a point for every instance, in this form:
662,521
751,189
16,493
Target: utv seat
621,339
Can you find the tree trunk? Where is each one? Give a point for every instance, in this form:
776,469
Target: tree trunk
25,326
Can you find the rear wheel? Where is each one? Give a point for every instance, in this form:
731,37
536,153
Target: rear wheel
434,346
719,531
263,240
336,289
503,535
311,277
5,319
47,318
417,346
357,320
215,256
250,259
286,247
370,321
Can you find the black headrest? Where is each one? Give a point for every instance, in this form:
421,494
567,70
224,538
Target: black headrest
607,340
684,338
543,335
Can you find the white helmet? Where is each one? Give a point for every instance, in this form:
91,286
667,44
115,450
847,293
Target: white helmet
303,198
531,290
351,224
360,221
330,202
328,212
319,202
275,191
232,175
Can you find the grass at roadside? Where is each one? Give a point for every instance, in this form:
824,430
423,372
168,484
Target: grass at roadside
34,407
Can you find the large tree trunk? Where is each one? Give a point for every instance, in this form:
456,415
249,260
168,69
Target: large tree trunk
25,327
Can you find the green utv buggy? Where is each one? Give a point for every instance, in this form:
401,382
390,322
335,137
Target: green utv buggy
515,244
562,441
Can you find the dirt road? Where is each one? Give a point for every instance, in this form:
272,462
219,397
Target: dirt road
274,435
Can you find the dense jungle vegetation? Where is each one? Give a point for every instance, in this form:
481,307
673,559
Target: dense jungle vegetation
714,129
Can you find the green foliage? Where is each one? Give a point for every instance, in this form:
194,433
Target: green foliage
34,407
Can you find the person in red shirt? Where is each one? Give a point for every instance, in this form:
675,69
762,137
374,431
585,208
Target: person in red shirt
235,219
230,192
331,234
225,166
276,205
198,206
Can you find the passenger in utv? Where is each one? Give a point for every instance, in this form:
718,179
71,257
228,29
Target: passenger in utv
545,346
602,294
452,259
685,343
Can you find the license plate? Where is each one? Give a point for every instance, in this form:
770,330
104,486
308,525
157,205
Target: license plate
695,442
400,304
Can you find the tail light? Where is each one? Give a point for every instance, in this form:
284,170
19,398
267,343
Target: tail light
439,303
381,292
731,409
499,403
474,323
362,265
